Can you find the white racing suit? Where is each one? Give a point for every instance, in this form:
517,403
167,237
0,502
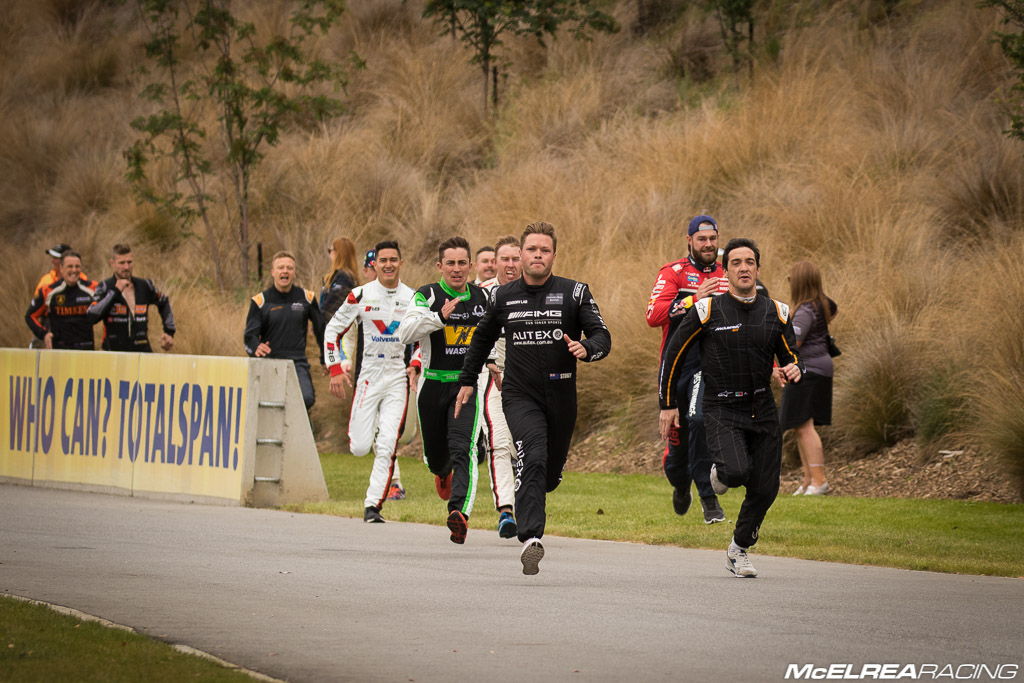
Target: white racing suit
500,451
380,381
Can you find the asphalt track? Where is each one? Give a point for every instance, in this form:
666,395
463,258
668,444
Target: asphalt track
317,598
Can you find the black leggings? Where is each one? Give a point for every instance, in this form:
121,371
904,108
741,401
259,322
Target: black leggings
747,452
449,443
541,428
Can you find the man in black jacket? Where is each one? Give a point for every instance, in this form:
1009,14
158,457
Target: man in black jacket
122,302
541,317
59,312
277,322
740,332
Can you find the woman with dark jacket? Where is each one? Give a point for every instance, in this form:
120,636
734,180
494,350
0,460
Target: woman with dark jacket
809,402
340,279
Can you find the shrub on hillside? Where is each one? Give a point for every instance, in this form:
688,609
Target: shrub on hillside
874,385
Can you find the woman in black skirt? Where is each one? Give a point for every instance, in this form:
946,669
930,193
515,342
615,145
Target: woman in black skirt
809,402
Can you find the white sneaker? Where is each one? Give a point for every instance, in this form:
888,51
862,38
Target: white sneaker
531,555
800,490
813,490
737,561
717,486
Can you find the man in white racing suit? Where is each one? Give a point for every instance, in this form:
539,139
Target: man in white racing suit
381,370
500,449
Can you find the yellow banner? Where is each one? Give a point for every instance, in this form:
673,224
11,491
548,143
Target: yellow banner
135,422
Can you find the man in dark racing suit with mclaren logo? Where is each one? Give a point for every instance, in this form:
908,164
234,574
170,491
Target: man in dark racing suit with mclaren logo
739,333
442,318
541,317
122,302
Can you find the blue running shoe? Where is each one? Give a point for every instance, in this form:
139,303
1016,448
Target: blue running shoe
507,525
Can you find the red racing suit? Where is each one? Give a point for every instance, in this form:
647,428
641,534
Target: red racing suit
674,289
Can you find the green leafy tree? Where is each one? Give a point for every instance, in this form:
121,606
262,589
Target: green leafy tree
736,22
1013,47
480,24
211,66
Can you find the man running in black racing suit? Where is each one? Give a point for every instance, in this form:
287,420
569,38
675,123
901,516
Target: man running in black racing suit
739,331
541,317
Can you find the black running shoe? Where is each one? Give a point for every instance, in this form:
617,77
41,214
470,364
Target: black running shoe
372,515
458,525
681,500
713,512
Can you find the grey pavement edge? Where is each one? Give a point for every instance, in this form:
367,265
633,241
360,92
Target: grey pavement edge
318,598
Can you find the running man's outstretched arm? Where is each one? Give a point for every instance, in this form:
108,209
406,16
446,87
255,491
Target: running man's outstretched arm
598,341
420,321
785,346
688,330
339,324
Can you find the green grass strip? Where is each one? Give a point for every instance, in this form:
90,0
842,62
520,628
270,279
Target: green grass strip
935,535
40,644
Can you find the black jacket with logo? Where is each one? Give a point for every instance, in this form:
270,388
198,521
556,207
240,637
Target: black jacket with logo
536,319
63,310
443,342
124,329
280,319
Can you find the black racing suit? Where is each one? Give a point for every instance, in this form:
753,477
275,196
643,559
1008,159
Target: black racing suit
738,342
280,319
449,442
538,391
63,310
124,329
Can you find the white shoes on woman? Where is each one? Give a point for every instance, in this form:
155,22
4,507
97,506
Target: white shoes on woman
812,490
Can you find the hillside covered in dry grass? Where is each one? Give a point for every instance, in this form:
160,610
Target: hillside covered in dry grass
869,140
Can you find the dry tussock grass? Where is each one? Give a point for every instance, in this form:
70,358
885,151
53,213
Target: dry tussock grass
872,147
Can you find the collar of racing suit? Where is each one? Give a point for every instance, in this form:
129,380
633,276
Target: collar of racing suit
703,269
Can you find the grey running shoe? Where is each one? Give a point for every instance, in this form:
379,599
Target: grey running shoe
737,561
717,486
713,512
372,515
681,500
531,555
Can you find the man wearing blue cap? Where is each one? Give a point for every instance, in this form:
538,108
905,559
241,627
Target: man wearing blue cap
679,285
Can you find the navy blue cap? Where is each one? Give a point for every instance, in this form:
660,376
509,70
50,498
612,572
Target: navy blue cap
371,258
699,220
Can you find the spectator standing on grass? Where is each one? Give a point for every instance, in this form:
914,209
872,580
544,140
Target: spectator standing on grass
58,313
278,320
809,403
500,450
381,375
549,323
122,302
740,332
340,279
443,319
679,284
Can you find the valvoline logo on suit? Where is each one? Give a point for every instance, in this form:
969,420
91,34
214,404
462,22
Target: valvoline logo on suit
390,328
